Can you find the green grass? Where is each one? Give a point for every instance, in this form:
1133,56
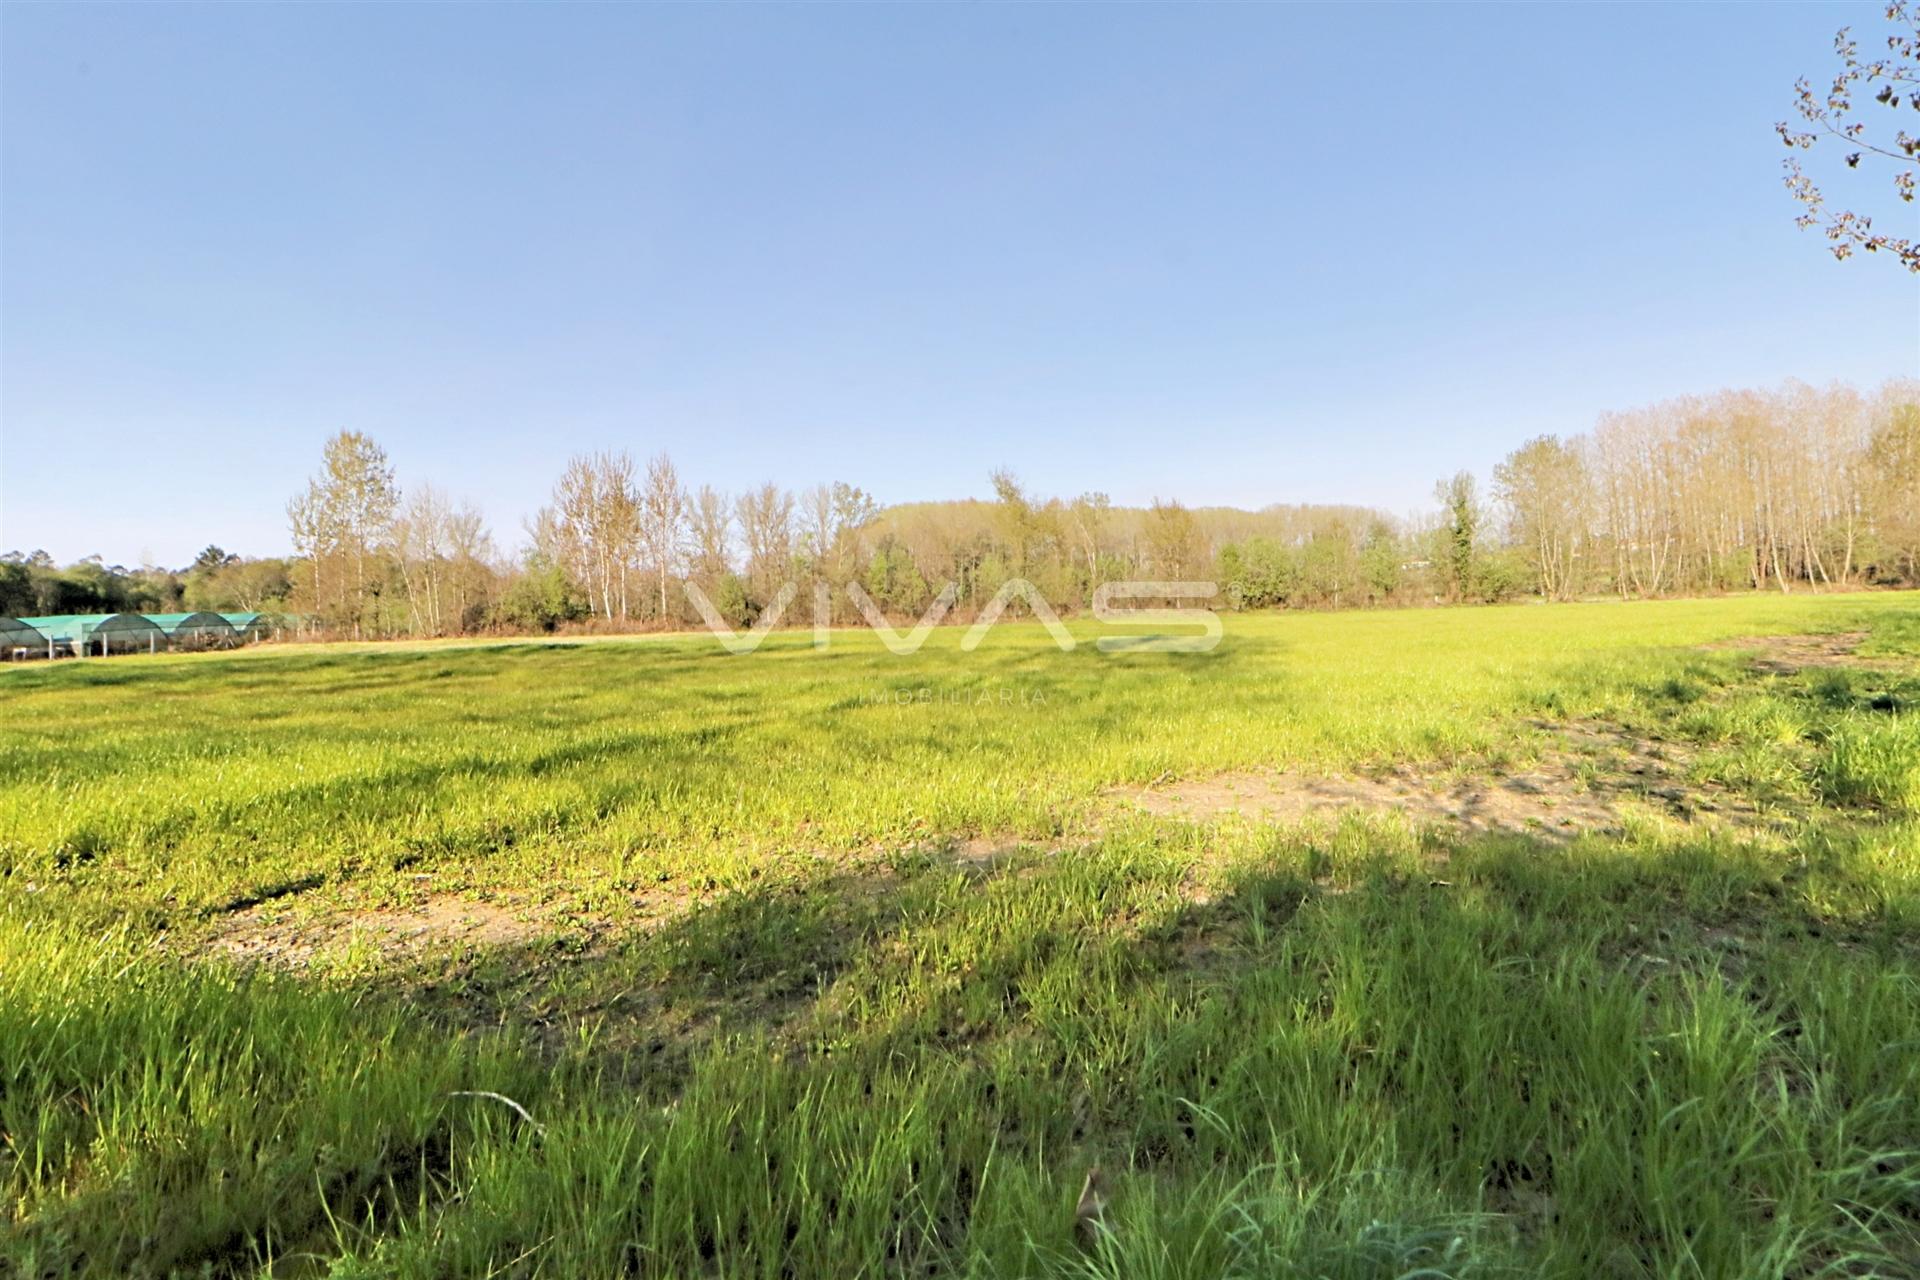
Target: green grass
769,1026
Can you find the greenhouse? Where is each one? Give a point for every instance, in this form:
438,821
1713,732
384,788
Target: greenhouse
88,634
63,633
200,630
19,639
254,626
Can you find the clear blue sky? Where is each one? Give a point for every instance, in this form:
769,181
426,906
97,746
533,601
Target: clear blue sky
1234,255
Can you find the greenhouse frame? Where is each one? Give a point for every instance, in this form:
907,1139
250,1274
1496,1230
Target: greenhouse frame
19,638
249,627
85,635
200,630
91,634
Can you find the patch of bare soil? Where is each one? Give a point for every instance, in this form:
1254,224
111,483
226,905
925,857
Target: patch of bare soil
290,939
1589,781
1789,655
983,855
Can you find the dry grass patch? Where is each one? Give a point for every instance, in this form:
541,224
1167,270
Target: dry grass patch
1589,778
293,938
1789,655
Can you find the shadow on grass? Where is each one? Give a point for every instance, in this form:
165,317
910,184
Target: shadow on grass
1608,1057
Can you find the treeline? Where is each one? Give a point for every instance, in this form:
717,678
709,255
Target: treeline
1795,488
1742,489
33,585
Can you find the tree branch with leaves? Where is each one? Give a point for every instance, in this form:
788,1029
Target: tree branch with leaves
1891,82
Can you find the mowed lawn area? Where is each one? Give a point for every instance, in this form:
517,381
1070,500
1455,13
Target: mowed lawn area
1571,940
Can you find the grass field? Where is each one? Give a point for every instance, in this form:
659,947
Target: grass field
836,963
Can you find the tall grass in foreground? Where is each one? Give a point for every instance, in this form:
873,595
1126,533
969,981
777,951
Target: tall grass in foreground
1612,1061
159,1115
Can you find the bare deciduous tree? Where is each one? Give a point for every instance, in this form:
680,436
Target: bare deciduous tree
442,551
663,509
766,529
593,527
340,522
1545,488
710,521
1090,513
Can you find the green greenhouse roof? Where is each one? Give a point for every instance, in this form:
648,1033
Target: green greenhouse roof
79,628
19,631
66,626
200,620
